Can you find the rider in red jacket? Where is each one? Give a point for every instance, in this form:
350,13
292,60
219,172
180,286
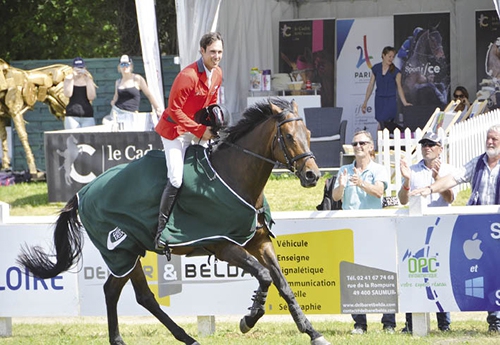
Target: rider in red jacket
194,88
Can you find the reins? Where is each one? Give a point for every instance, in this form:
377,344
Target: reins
290,162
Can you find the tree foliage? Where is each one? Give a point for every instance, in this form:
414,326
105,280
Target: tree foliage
63,29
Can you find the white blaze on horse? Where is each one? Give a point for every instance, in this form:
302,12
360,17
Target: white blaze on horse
113,207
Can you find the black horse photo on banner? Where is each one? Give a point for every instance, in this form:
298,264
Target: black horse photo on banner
488,57
269,134
423,56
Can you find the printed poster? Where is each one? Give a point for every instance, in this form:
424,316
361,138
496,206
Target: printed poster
488,57
359,46
422,42
449,263
307,53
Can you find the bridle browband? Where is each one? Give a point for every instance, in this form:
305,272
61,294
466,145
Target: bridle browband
290,162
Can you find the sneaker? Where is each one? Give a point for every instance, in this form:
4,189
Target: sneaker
389,329
494,328
358,330
445,329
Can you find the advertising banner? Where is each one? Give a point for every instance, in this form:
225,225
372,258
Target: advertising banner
422,42
307,54
449,263
335,262
24,295
324,268
359,46
74,159
488,57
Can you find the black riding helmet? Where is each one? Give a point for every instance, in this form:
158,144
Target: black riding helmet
215,116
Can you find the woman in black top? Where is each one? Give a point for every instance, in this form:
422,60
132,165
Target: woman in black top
79,87
125,102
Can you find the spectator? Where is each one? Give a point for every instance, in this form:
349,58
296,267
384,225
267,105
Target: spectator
387,77
79,87
361,185
422,174
482,172
461,94
125,102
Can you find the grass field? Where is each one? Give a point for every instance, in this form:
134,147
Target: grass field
467,328
283,193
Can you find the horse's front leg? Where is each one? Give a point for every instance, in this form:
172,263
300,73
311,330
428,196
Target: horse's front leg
267,256
146,298
238,256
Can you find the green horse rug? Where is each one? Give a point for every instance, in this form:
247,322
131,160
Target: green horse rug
119,209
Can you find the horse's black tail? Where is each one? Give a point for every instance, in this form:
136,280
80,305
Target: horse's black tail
68,243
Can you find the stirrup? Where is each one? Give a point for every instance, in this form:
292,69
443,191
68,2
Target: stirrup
162,246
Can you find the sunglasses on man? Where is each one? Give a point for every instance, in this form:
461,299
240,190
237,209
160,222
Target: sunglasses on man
360,143
429,144
456,95
124,64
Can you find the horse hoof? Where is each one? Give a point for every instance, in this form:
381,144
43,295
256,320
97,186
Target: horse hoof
320,341
243,326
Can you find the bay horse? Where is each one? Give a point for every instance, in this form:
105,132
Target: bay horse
269,134
421,84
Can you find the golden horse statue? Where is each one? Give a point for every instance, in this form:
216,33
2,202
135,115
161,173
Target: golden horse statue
19,91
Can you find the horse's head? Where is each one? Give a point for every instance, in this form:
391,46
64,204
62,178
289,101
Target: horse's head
272,134
291,144
435,43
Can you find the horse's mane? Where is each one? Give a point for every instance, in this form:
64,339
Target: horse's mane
253,116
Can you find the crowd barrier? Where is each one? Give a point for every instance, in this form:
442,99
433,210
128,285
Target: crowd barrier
414,259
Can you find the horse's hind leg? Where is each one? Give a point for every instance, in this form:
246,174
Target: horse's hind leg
238,256
112,290
146,298
264,251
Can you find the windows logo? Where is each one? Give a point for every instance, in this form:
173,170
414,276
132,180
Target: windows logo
475,287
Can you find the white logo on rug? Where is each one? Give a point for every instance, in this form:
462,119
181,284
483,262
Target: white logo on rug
115,237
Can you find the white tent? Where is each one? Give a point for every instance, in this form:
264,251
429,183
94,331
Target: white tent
250,31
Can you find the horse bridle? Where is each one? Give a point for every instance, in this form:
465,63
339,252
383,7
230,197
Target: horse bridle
278,137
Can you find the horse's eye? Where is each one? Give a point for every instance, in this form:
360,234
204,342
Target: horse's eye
289,136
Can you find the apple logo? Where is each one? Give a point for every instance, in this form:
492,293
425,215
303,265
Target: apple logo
472,248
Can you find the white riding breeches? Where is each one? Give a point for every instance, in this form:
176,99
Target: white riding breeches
174,154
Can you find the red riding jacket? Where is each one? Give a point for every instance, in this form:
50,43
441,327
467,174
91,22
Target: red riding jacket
189,93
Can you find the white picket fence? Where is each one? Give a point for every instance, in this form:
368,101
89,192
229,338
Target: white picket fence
464,141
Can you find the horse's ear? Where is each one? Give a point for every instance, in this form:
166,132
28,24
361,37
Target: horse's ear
295,107
274,108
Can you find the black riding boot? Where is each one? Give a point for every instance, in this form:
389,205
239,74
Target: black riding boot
166,204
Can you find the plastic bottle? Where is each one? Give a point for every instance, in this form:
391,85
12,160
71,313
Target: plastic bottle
266,80
255,78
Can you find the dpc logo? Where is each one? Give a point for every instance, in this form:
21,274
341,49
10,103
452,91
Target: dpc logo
423,265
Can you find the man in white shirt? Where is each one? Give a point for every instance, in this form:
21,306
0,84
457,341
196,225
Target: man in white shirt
422,174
